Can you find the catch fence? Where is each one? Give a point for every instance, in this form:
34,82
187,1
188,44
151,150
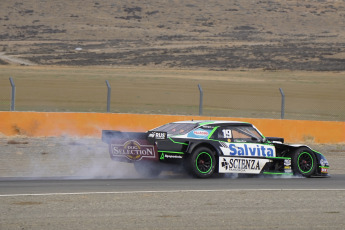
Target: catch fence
197,99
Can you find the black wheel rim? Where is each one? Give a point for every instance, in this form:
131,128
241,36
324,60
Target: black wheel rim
204,162
305,162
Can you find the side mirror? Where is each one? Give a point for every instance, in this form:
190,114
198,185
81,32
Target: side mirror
257,139
276,139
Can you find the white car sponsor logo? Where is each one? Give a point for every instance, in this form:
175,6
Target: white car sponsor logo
247,149
158,135
173,156
241,165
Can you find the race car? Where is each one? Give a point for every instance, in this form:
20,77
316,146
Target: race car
205,148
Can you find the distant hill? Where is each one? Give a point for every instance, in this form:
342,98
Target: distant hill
217,35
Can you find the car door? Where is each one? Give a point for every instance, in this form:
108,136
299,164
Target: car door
243,141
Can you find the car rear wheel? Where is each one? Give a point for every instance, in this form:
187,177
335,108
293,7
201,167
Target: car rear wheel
203,162
304,162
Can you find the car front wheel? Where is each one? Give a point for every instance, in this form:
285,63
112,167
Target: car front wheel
304,162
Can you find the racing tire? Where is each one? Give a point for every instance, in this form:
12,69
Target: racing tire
147,169
202,162
303,162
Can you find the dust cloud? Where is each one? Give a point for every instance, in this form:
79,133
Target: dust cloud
60,157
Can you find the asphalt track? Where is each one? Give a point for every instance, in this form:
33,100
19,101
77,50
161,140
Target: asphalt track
31,186
173,202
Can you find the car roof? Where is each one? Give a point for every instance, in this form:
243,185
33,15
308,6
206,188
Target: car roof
212,122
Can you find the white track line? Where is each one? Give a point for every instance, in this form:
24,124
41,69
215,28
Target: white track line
167,191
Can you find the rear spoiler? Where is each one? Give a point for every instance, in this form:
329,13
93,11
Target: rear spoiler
151,136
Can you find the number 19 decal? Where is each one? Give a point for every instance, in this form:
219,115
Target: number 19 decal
227,133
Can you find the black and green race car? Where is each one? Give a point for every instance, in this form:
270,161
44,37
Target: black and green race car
205,148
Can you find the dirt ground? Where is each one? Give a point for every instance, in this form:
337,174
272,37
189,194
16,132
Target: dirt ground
88,158
214,35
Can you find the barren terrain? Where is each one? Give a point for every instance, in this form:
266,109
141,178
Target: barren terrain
215,35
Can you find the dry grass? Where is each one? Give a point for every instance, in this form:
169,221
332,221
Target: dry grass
309,95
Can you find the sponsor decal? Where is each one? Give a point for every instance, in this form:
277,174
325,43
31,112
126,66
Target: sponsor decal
241,165
169,156
200,133
173,156
133,150
158,135
244,149
324,170
287,162
287,166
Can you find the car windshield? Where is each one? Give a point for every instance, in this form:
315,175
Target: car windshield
176,128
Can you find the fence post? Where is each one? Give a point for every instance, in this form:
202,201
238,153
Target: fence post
283,103
108,95
201,99
13,98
